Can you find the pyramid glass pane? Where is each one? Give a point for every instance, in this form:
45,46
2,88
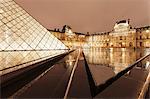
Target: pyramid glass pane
22,38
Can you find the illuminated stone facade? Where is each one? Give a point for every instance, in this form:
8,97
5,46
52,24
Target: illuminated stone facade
143,37
71,39
122,36
97,40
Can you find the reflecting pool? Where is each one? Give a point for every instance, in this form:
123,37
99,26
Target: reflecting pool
109,62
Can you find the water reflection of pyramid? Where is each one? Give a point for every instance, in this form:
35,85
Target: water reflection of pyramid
19,31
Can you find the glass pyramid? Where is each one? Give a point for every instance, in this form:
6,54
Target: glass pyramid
21,36
19,31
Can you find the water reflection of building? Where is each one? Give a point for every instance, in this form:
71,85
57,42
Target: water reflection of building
117,58
70,60
97,56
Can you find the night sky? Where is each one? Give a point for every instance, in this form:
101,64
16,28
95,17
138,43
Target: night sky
88,15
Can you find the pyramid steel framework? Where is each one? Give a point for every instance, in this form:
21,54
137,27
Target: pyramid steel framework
22,38
19,31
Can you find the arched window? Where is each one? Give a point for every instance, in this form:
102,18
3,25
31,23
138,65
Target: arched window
130,44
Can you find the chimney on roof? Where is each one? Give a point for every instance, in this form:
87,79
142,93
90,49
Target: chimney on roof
128,21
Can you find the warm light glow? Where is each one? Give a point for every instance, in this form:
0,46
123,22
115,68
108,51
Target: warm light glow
118,59
147,65
123,44
111,44
70,32
147,31
70,60
9,59
121,27
24,32
22,39
82,36
1,11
